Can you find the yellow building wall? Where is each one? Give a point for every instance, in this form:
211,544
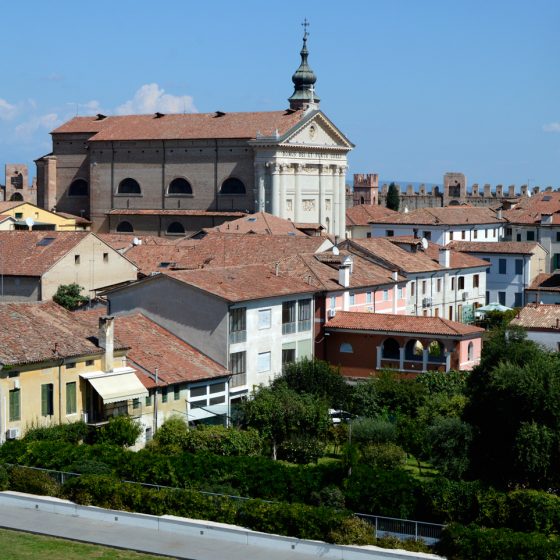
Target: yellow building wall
28,210
98,265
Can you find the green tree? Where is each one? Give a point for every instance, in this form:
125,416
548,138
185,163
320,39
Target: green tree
449,442
281,414
121,430
69,296
393,198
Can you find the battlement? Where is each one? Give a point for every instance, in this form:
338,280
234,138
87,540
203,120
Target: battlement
487,191
366,180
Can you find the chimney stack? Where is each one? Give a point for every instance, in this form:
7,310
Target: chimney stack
344,272
445,257
106,340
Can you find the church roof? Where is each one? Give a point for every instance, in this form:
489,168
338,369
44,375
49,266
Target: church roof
183,127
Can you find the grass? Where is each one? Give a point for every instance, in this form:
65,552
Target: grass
426,470
22,546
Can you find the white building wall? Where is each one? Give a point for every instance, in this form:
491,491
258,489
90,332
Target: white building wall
550,340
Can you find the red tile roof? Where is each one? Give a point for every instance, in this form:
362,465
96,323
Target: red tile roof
538,317
9,205
505,247
261,223
364,214
448,215
183,127
38,332
242,283
400,324
78,219
151,346
28,253
546,282
530,209
122,241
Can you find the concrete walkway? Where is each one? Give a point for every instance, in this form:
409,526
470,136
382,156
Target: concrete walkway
133,538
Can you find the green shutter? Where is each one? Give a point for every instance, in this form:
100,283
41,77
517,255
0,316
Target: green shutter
15,413
71,405
44,400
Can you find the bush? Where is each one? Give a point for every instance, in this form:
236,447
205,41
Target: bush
301,450
31,481
4,479
121,430
409,544
220,440
373,430
172,434
75,432
386,456
353,531
330,496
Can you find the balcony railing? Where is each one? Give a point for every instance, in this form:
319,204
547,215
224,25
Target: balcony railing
304,325
238,380
289,328
237,336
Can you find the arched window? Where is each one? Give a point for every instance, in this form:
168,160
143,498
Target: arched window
346,348
16,197
232,186
129,186
175,228
436,351
79,187
414,350
362,200
179,186
470,352
125,227
391,349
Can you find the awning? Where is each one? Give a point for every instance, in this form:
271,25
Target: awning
121,387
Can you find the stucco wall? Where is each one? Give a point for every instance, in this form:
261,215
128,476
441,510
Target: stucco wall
20,288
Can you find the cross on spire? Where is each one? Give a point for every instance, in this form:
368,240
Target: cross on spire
305,25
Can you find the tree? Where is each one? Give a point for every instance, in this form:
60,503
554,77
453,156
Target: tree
69,296
449,441
393,198
280,414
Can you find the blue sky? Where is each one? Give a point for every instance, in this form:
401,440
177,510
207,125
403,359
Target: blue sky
421,87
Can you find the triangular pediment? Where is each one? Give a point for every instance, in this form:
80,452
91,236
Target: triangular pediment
316,131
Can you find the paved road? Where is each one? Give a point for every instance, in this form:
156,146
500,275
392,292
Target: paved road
140,539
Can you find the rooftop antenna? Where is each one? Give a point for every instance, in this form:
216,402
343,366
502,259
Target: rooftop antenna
29,223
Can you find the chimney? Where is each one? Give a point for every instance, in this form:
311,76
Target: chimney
445,257
344,272
395,275
106,340
499,214
546,218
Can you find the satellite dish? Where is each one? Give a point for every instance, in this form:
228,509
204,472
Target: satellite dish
136,241
406,209
335,250
30,223
424,243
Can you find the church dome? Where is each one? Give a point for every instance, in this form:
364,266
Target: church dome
304,79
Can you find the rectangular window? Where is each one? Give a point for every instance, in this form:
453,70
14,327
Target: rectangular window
389,233
461,283
400,293
558,237
76,259
436,312
502,298
476,281
530,235
71,366
263,362
451,313
487,299
518,266
412,288
218,400
15,405
236,363
176,392
518,302
19,215
164,394
237,325
508,232
428,235
89,362
463,234
135,404
200,391
368,297
71,404
385,295
502,266
288,317
438,285
423,287
333,302
265,318
199,404
105,257
149,399
486,233
518,237
453,283
217,388
47,404
368,234
475,234
288,356
304,315
352,298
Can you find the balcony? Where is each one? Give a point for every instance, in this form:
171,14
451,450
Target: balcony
237,336
289,328
304,325
238,380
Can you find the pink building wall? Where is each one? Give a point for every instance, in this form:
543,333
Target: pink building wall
464,361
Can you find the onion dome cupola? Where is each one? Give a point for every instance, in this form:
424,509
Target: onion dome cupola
304,79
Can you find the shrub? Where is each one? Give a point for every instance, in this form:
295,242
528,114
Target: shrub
353,531
409,544
330,496
172,434
75,432
223,441
121,430
373,430
31,481
301,450
384,455
4,479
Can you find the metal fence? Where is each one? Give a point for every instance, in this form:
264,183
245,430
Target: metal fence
404,529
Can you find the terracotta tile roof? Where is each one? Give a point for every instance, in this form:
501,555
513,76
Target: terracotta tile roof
29,253
4,217
121,241
448,215
506,247
530,210
158,258
151,346
9,205
364,214
538,316
183,127
321,271
261,223
546,282
78,219
242,283
351,320
177,212
390,250
37,332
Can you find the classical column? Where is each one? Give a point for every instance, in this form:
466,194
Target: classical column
401,358
342,205
282,196
425,356
275,171
379,355
447,355
335,200
259,187
322,189
298,169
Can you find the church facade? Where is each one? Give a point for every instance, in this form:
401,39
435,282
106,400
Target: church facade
172,174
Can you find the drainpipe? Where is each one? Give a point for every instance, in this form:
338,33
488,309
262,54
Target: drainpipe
60,391
112,176
163,174
216,174
155,402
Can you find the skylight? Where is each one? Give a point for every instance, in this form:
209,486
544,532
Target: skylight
45,241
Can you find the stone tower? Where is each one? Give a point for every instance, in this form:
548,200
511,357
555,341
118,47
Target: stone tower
366,189
17,184
454,189
304,80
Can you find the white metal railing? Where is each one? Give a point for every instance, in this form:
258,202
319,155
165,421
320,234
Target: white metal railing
289,328
237,336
